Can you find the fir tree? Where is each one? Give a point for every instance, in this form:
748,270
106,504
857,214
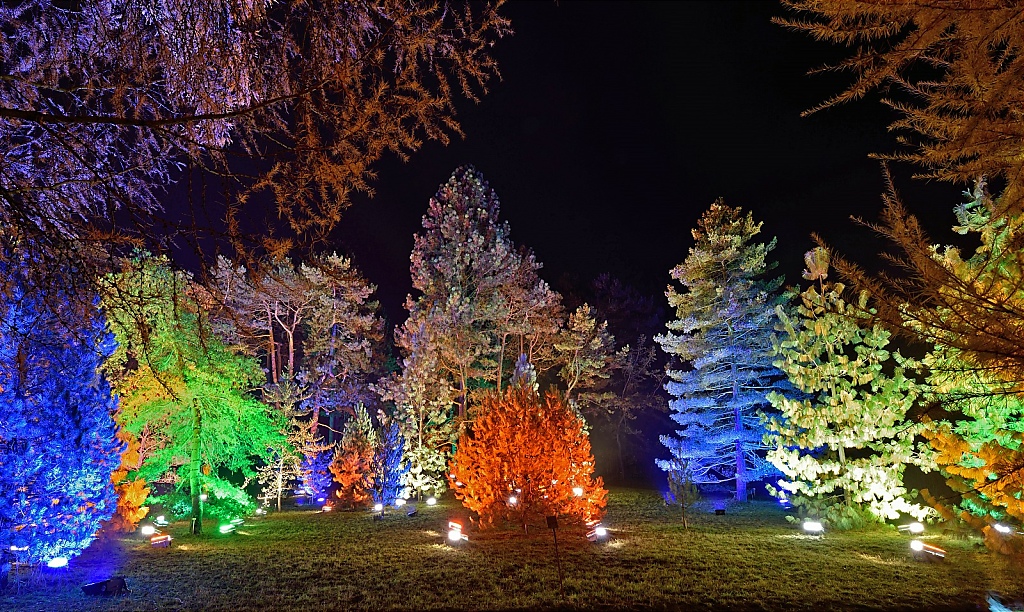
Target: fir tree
353,460
58,442
388,468
844,443
721,340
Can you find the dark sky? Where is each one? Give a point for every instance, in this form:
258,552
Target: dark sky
616,124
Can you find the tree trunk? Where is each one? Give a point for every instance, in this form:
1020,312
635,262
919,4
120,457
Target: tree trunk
741,460
280,480
618,442
195,487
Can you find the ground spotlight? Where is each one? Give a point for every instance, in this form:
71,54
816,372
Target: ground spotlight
814,527
160,541
57,562
147,530
378,507
926,551
161,521
914,528
513,500
431,501
226,528
455,534
1001,528
399,502
597,531
110,587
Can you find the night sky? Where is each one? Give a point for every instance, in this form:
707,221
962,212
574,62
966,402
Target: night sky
616,124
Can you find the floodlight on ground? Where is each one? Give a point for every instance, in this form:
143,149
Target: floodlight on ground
1001,528
326,508
431,501
57,562
926,550
161,521
577,491
226,528
109,588
260,511
399,502
813,527
597,532
147,530
455,532
378,507
513,500
915,528
160,541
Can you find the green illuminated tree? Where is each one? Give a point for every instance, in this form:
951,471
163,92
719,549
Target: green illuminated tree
721,340
183,389
843,444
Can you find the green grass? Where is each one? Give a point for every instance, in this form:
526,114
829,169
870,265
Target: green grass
748,559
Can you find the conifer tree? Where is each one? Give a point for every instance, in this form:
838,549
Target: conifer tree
58,443
352,466
525,458
186,390
721,341
843,443
388,468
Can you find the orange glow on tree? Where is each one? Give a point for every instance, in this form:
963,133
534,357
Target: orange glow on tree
131,492
533,449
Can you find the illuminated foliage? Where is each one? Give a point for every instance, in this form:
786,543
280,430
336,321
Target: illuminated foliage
353,461
721,341
585,349
951,70
105,103
387,468
843,443
58,444
131,492
533,449
184,389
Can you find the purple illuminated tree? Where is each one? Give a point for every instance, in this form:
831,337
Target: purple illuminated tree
721,341
58,445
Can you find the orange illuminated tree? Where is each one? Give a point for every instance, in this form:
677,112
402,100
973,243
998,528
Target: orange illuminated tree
526,458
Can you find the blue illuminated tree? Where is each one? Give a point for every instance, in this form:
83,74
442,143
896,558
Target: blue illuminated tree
387,467
58,443
721,342
316,474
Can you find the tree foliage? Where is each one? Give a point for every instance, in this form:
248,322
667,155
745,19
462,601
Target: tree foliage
843,442
721,339
353,461
58,443
533,449
951,70
106,102
182,388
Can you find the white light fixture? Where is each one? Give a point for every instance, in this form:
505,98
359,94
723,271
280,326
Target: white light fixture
399,502
1001,528
920,547
57,562
813,527
513,500
378,507
147,530
203,497
455,532
431,501
915,528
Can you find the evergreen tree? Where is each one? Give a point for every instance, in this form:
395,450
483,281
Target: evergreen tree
185,389
844,443
58,442
526,458
353,460
387,468
721,339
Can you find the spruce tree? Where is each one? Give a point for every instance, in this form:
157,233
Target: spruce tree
844,443
721,343
58,439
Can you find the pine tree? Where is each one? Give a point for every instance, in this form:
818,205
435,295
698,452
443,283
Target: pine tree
721,339
58,442
525,458
353,460
388,468
843,443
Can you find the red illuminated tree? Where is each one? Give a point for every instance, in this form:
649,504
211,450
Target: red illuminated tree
527,457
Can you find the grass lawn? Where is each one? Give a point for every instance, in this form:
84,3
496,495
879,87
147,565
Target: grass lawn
748,559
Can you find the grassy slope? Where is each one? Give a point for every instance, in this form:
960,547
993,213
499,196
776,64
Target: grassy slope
749,559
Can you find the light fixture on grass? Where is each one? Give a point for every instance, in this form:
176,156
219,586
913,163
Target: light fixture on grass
914,528
597,531
57,562
160,541
399,502
455,534
226,528
513,500
431,501
1001,528
161,521
326,508
814,527
378,507
109,588
926,551
147,530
